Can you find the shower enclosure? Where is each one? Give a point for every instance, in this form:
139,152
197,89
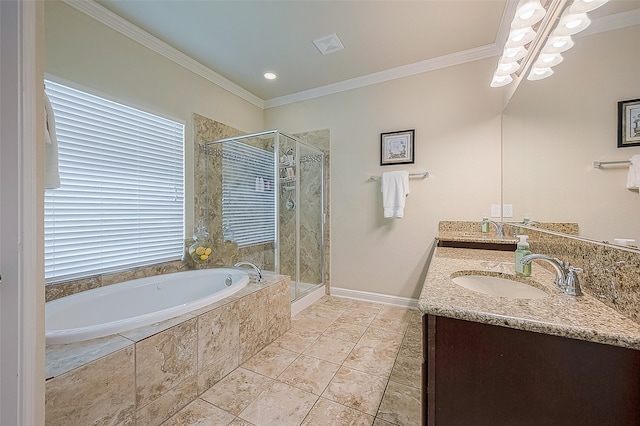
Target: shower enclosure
265,204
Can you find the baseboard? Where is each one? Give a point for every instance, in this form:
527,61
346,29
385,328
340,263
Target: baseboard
404,302
307,300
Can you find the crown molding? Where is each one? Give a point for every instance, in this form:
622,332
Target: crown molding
115,22
126,28
440,62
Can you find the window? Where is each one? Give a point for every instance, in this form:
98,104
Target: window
121,200
248,188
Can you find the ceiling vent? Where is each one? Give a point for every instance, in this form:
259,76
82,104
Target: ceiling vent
328,44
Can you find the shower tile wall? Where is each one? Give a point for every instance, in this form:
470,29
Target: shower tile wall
227,253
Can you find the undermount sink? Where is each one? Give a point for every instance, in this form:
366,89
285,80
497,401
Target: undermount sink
500,287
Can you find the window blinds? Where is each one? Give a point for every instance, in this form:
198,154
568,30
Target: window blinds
248,194
121,200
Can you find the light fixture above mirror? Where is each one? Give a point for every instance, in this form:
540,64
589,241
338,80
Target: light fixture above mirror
540,32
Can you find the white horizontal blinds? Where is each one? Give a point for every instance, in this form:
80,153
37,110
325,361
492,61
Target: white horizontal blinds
248,194
121,199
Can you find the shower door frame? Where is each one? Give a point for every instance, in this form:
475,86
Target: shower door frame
276,200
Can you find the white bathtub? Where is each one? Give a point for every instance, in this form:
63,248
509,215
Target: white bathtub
120,307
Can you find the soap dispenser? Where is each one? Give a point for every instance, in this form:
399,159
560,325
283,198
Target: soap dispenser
485,224
522,250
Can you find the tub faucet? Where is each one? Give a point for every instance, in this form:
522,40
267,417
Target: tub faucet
499,227
566,275
252,265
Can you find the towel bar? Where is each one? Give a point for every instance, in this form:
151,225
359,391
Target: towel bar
422,175
598,164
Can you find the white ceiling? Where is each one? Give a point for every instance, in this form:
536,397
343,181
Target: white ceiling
242,39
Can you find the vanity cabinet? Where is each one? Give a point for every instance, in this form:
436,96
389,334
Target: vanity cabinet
480,374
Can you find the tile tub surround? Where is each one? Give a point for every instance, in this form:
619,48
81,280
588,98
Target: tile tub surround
319,372
146,375
583,318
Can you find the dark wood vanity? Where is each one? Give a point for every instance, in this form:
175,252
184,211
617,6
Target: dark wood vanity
482,374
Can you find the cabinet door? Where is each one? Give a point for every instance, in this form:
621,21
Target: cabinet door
481,374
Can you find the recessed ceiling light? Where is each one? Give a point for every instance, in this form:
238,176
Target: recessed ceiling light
270,76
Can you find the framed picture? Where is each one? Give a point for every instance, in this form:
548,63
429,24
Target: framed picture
397,147
629,123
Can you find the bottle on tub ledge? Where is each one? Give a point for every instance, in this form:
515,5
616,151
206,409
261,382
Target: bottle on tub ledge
200,250
522,250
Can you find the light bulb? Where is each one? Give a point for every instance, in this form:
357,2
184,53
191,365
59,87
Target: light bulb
520,37
539,73
528,13
501,80
571,23
547,60
513,54
557,44
583,6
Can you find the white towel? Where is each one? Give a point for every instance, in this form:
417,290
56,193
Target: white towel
51,175
633,178
395,188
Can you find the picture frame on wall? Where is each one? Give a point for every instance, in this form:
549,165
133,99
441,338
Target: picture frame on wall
629,123
397,147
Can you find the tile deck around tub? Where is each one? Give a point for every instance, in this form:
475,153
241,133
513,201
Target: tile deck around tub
343,362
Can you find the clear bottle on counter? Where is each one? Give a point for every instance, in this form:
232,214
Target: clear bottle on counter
522,250
485,224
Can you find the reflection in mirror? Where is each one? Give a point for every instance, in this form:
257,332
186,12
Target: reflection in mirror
554,130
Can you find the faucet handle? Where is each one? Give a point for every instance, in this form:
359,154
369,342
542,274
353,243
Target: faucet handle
572,284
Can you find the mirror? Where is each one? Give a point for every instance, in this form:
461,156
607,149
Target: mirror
554,129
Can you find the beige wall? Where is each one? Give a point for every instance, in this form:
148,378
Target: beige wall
90,56
456,116
455,113
554,129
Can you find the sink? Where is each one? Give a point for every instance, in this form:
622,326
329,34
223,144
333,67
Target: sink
500,287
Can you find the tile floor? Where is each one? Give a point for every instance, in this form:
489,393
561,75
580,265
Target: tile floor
344,362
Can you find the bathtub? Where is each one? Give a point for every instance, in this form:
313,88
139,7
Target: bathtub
120,307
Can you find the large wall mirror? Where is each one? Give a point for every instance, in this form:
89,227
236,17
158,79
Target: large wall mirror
554,130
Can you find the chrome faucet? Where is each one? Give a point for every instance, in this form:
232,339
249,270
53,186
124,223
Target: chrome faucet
499,227
252,265
566,275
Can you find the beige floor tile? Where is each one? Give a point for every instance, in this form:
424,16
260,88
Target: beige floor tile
297,339
240,422
376,360
271,361
411,344
374,336
357,390
359,316
236,391
281,405
390,324
407,370
330,349
309,374
380,422
312,322
400,405
343,331
396,312
327,412
200,413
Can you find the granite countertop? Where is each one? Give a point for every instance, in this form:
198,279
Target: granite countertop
475,237
583,317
